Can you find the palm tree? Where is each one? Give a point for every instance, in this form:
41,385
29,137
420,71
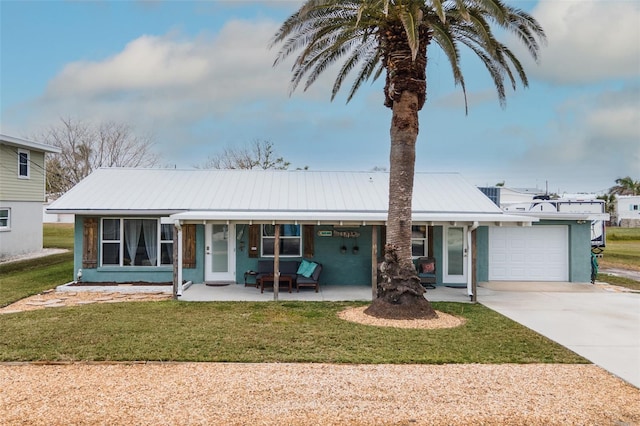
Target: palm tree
626,186
372,36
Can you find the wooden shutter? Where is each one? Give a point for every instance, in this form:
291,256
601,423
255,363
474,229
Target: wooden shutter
254,240
189,246
90,243
308,237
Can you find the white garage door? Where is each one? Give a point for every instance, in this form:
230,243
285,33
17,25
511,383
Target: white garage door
536,253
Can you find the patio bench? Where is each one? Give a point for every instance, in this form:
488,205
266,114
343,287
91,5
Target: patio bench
265,273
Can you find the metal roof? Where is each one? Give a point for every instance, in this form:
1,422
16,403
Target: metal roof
23,143
262,195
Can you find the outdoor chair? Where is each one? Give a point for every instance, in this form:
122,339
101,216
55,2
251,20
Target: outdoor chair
426,267
311,281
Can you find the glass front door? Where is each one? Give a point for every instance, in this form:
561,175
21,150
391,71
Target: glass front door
219,252
455,254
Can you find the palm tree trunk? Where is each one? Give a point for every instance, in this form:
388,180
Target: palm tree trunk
400,294
404,133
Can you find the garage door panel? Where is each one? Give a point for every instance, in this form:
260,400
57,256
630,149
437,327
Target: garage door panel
538,253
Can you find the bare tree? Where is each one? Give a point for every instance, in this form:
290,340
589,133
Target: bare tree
86,146
260,154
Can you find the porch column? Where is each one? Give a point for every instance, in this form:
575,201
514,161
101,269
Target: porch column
177,259
374,262
276,263
471,290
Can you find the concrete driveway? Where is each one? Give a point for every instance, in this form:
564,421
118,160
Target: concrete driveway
594,321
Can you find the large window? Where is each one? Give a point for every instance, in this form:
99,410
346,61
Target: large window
23,164
136,242
419,241
5,219
290,240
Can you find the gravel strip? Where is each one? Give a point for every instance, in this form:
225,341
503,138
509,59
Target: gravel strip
65,298
314,394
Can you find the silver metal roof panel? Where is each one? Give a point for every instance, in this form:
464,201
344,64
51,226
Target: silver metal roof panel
310,194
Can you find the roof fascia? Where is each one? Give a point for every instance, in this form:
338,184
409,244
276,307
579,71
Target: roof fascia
23,143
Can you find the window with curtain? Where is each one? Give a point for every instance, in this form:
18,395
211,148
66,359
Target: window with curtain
136,242
419,241
290,240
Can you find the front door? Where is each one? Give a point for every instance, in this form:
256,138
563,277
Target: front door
455,255
220,249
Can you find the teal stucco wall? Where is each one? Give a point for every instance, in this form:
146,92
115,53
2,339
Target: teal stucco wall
118,274
337,268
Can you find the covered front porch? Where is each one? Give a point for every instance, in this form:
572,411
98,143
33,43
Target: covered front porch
326,293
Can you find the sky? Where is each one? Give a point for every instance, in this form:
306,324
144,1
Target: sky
198,77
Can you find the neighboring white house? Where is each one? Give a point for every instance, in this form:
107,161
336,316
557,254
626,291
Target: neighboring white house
54,217
22,194
628,210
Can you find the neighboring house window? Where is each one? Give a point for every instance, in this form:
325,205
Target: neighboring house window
136,242
419,241
290,240
23,164
634,207
5,219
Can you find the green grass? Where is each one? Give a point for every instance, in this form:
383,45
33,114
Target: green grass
263,332
58,235
28,277
619,281
623,249
243,332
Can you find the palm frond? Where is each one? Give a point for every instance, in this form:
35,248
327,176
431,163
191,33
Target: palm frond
348,32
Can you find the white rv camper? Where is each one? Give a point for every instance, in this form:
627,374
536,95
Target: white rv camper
567,206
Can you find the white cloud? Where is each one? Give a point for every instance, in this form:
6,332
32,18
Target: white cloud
588,40
593,138
166,76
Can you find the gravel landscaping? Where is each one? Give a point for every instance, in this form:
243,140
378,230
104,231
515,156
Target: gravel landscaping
314,394
306,394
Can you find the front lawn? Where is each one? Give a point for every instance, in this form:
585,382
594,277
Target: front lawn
263,332
622,250
29,277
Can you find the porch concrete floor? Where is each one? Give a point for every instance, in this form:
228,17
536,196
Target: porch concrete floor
333,293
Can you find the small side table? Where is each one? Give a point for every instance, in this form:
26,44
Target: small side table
252,274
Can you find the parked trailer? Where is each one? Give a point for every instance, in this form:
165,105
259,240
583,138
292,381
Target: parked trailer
598,229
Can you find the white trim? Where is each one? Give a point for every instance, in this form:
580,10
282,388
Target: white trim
230,274
460,278
8,227
120,242
28,175
36,146
179,278
282,237
425,240
346,218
